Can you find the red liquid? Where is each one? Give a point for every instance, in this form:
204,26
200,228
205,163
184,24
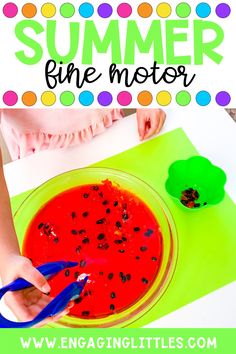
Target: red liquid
111,233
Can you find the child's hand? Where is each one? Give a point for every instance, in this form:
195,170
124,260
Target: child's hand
26,304
150,122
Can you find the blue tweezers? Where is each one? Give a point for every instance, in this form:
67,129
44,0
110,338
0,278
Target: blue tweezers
58,304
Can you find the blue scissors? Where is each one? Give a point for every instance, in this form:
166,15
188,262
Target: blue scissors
58,304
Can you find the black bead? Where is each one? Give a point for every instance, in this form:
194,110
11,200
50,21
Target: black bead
100,221
78,249
125,216
82,264
144,280
101,237
67,272
143,248
78,300
40,225
95,188
118,224
128,276
76,275
118,242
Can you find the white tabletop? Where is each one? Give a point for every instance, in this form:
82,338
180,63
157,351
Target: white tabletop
212,132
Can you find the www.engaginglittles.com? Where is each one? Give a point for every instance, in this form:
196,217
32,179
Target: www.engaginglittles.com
118,343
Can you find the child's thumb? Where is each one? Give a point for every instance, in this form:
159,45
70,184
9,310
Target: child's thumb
33,276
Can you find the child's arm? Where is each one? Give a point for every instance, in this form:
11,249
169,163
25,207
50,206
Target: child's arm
150,122
28,303
10,252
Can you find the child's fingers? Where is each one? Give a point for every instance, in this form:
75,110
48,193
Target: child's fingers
161,123
152,130
43,301
141,127
16,305
157,121
60,315
33,276
35,310
53,318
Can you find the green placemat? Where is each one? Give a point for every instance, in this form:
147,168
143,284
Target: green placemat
207,238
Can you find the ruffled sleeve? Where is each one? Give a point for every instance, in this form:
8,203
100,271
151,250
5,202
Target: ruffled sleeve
72,127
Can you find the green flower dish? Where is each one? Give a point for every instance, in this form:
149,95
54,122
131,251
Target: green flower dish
196,183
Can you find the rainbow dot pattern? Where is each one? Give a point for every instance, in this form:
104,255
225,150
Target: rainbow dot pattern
123,10
124,98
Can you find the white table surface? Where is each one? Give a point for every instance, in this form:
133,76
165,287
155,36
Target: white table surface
213,133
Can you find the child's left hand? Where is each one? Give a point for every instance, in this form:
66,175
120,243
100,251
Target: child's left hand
28,303
150,122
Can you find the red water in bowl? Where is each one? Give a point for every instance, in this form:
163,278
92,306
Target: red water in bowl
113,236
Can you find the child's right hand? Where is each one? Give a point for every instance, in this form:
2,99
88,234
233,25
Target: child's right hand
150,122
26,304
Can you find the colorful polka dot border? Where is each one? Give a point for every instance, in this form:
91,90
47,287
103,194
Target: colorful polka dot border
124,98
123,10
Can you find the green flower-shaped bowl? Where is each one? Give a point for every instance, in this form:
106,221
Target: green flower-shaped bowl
199,174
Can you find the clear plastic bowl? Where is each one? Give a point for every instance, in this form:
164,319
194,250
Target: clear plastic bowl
40,196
